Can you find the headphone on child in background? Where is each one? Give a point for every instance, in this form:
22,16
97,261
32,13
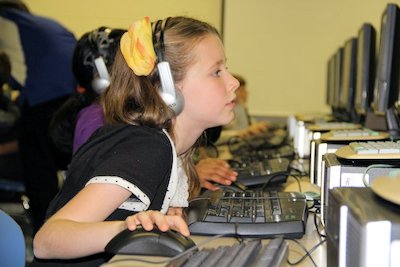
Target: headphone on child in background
103,44
173,98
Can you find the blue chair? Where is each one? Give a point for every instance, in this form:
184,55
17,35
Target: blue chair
12,242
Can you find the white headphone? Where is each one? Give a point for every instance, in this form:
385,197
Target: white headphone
173,98
99,84
97,39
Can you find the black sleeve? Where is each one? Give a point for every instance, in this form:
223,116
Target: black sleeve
141,157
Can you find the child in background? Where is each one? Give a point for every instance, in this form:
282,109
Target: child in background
126,174
76,120
242,125
10,161
40,51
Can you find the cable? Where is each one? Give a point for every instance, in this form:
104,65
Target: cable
364,179
299,172
270,178
317,211
308,252
297,178
232,141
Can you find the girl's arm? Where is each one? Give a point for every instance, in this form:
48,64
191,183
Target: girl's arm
78,229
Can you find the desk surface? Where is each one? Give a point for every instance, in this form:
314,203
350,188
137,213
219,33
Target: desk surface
309,240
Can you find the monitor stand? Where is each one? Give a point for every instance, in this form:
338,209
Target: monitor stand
388,122
375,122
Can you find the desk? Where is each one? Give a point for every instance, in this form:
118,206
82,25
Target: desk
309,240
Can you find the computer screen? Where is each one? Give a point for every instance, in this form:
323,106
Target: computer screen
365,77
338,78
330,81
346,102
386,80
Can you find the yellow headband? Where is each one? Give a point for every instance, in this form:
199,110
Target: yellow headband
137,47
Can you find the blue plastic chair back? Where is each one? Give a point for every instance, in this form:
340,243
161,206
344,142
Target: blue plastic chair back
12,242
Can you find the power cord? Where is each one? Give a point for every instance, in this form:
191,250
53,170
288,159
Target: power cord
364,177
307,252
316,224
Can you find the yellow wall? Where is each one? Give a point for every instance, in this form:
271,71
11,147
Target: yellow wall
81,16
280,46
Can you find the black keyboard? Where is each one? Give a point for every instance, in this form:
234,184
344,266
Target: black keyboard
251,253
284,151
267,140
259,172
251,213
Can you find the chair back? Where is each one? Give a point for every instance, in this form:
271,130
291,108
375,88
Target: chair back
12,242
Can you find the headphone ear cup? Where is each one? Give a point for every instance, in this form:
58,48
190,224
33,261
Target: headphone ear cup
171,97
101,83
175,103
177,107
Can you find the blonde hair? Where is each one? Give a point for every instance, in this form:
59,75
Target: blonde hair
132,99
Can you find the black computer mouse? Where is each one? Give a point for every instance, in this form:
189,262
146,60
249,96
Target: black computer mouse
149,243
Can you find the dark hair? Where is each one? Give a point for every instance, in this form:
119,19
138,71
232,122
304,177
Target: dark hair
14,4
103,42
5,68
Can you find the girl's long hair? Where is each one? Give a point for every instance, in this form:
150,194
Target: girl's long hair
135,100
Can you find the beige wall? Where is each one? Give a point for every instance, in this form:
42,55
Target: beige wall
280,46
81,16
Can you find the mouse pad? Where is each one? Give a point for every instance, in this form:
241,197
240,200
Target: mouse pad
387,188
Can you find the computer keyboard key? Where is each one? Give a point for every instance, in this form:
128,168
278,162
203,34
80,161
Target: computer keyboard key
267,171
229,255
247,254
273,254
252,254
372,150
266,214
197,258
363,134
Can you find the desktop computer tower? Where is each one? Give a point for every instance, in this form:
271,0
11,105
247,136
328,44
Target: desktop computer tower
362,230
302,139
338,174
318,149
301,142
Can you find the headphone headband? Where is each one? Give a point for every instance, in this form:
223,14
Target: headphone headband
159,46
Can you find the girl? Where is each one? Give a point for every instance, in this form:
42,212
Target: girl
126,174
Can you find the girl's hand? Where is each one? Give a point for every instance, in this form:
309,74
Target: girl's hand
163,222
213,170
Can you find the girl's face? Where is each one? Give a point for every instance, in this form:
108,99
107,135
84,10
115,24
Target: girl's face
208,87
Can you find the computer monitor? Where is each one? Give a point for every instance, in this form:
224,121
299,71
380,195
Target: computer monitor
365,77
330,81
337,80
346,101
386,91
